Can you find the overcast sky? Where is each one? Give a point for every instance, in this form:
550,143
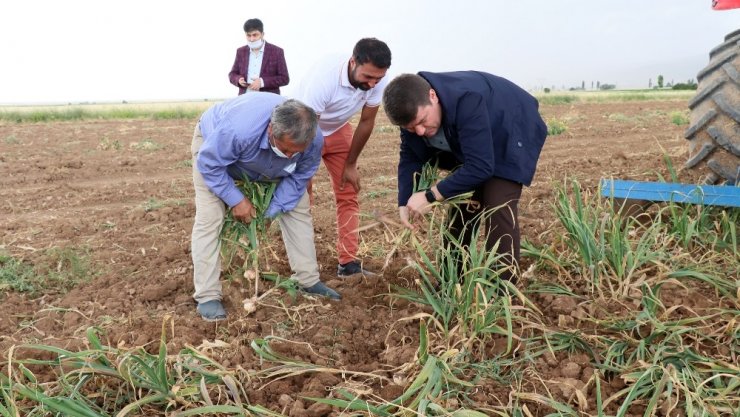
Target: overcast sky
144,50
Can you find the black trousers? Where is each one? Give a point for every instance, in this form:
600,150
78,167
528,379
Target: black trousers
502,225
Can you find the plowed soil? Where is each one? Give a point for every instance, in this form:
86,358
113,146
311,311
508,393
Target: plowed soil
121,192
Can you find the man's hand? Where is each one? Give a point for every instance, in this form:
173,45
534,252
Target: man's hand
403,214
242,82
350,175
418,205
255,85
244,211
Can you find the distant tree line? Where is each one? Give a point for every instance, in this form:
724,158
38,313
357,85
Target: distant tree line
599,86
688,85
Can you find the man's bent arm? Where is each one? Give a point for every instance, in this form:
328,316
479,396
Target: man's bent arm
362,133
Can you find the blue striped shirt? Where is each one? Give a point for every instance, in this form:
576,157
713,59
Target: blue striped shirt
235,145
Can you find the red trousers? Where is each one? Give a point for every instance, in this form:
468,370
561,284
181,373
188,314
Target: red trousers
334,154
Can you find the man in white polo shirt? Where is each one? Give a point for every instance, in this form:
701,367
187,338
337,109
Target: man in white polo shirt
336,88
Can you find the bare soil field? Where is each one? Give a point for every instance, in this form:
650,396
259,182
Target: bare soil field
119,194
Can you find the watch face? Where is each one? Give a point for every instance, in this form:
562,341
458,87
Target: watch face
430,196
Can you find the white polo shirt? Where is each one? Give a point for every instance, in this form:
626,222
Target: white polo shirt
327,90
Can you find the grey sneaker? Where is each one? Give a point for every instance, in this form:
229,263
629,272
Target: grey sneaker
353,268
212,310
321,289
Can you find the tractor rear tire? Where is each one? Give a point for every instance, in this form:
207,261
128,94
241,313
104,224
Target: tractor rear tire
714,129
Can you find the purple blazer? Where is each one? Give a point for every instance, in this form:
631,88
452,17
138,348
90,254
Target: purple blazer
274,71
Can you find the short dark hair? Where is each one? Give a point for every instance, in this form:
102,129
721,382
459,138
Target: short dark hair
253,24
403,96
373,51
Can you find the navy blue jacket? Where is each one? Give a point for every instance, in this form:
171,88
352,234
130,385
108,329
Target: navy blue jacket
493,127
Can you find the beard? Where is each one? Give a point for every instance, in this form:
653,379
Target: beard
354,83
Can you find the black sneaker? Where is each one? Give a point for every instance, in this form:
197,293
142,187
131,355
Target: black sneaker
212,310
321,289
353,268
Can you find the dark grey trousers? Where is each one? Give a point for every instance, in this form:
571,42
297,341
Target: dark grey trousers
501,225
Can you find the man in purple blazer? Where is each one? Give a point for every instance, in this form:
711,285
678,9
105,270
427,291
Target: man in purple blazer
259,66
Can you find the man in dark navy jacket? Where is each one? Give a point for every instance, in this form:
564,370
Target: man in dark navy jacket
486,128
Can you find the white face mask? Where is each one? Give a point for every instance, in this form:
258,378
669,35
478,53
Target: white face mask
256,44
278,152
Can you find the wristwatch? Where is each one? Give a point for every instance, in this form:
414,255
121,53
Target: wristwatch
430,196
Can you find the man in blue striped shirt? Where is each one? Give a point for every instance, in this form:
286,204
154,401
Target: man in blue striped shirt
264,137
